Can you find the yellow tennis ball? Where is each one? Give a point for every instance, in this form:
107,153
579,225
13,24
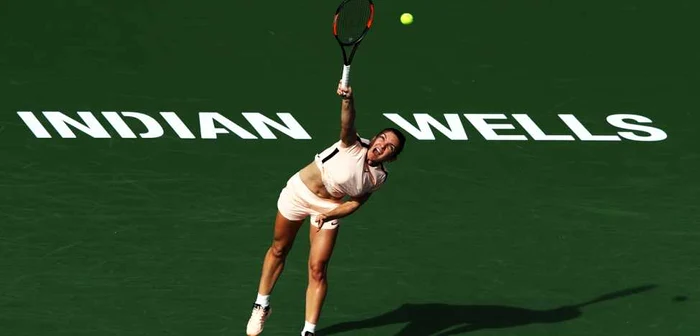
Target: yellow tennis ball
406,18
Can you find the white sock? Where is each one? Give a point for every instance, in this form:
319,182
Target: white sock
308,327
263,300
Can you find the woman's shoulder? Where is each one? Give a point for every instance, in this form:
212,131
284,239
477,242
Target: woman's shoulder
358,141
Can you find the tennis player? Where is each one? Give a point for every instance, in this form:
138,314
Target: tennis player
337,183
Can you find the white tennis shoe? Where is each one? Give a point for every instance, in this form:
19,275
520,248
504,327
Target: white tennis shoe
257,320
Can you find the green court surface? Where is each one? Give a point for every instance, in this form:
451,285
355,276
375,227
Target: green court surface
166,235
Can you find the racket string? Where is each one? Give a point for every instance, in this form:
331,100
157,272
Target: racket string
353,19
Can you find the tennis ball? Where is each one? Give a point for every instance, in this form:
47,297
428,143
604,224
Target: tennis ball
406,18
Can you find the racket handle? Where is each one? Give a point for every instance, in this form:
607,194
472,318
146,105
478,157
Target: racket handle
345,79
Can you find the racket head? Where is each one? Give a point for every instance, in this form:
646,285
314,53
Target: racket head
352,21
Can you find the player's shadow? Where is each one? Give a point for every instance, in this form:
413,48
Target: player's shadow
443,319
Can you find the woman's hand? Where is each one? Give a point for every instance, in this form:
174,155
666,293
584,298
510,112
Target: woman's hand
346,93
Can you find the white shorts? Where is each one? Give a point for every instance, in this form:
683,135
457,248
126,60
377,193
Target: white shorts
296,202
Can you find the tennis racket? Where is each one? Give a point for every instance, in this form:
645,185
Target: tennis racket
351,22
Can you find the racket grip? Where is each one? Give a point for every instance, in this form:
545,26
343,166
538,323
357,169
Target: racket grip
345,79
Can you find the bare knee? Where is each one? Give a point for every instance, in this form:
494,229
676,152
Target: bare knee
280,249
318,270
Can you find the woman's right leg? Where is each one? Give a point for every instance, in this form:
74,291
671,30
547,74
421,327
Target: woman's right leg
273,264
283,239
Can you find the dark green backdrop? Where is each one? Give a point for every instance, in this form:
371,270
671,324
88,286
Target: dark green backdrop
166,236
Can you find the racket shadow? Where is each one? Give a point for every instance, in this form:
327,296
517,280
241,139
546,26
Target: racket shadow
444,319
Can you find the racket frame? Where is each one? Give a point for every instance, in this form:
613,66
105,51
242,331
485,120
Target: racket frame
345,77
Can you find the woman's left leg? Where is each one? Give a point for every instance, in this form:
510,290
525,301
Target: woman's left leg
322,243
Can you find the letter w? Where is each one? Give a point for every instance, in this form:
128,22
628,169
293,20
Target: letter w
425,121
